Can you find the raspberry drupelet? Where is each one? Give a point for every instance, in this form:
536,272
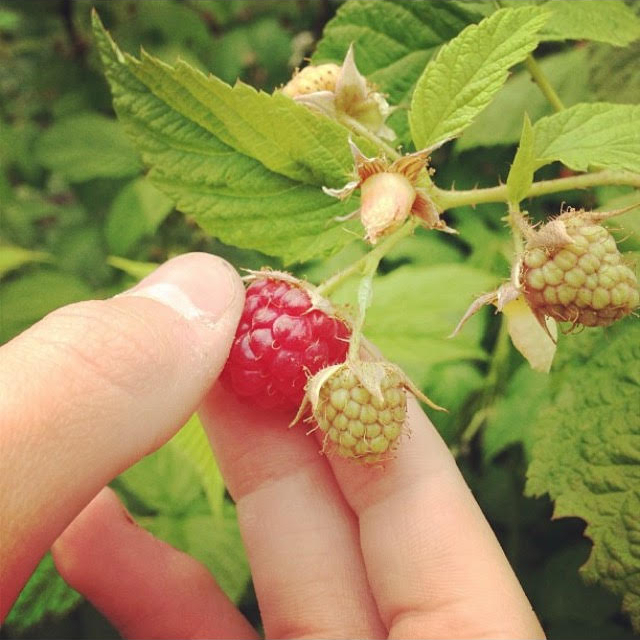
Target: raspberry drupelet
280,342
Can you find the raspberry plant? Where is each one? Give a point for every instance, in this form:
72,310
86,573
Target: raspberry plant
343,175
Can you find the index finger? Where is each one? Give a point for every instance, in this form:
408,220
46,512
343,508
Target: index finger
433,563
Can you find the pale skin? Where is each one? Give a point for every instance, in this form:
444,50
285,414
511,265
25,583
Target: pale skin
337,550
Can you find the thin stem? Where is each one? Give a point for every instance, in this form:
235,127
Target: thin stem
448,199
328,286
362,131
365,295
542,82
493,382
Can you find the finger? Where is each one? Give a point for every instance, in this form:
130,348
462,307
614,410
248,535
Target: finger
300,536
145,587
434,565
95,386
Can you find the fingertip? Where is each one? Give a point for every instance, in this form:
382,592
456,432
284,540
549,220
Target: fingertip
75,546
145,587
197,285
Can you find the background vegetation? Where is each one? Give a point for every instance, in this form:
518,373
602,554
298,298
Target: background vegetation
79,220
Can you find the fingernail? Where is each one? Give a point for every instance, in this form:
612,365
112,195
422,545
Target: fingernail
198,286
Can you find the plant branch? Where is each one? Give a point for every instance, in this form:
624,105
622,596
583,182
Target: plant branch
448,199
364,264
541,80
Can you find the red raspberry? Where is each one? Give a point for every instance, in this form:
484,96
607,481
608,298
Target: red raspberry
281,341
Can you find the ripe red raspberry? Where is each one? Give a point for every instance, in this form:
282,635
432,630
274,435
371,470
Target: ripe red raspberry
281,341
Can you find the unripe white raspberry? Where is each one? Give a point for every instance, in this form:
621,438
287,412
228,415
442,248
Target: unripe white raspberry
312,78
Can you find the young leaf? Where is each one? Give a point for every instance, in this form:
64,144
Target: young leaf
586,454
598,135
467,72
46,596
393,41
520,176
501,122
246,165
609,21
86,146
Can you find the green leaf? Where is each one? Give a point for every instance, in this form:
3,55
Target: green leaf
520,176
29,298
86,146
467,72
134,268
417,340
12,257
393,42
246,165
425,248
586,454
451,384
216,542
164,483
513,416
136,211
9,20
501,121
613,73
192,442
45,597
173,490
609,21
598,135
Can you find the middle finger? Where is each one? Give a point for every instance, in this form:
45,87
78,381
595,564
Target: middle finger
301,537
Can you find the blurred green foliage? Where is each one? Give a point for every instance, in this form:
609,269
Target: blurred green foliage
78,220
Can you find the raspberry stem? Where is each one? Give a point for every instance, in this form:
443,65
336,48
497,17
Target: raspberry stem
449,199
363,132
369,262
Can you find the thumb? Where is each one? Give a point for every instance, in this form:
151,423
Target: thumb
97,385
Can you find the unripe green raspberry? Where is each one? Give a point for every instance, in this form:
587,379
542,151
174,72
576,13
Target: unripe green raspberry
580,279
361,406
357,423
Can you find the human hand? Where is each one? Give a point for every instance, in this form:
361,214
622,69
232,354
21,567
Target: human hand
336,549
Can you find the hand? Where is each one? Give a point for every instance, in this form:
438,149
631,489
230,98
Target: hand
336,549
